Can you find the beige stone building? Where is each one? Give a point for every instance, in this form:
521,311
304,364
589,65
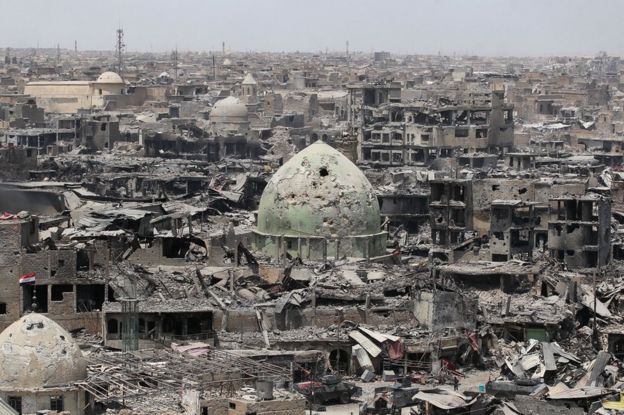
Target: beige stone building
70,96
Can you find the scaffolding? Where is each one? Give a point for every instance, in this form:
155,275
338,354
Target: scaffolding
116,376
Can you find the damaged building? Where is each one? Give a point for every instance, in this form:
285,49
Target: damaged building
228,233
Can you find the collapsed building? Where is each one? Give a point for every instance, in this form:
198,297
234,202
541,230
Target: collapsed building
246,232
396,134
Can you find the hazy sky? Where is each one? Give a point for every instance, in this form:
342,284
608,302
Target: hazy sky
483,27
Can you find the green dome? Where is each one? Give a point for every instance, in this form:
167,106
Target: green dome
319,192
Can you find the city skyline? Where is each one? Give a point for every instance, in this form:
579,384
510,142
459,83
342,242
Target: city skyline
478,27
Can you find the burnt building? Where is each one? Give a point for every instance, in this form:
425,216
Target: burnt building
99,132
450,212
579,231
393,133
410,209
511,230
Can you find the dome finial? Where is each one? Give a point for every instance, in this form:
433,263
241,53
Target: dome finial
34,301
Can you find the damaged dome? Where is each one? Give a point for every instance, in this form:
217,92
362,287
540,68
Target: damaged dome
229,109
35,352
319,193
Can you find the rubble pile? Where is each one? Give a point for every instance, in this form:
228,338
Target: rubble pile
258,232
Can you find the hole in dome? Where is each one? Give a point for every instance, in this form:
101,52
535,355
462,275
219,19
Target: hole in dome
62,337
323,172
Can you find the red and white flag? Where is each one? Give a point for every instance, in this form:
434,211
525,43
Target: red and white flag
27,278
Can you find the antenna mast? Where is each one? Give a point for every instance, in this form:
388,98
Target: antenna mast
119,50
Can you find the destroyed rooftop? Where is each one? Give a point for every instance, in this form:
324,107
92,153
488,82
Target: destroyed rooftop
206,223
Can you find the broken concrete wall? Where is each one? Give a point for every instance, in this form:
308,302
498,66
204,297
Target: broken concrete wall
579,232
59,265
500,243
11,243
295,406
272,104
300,102
99,134
15,162
152,253
64,306
245,320
214,406
484,192
32,402
15,235
9,295
444,309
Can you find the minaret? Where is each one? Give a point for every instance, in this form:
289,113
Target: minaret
175,63
249,88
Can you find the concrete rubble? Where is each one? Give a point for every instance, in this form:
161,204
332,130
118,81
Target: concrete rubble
280,233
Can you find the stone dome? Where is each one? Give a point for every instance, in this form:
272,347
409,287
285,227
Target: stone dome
229,109
319,192
109,78
35,352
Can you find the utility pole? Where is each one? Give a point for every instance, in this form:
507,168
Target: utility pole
119,50
223,48
75,46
